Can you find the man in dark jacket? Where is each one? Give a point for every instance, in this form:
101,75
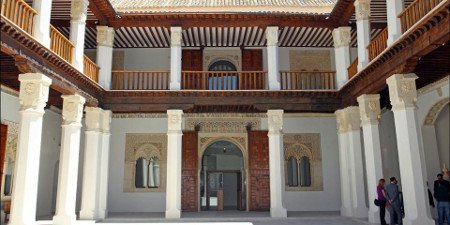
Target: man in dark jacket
394,200
442,195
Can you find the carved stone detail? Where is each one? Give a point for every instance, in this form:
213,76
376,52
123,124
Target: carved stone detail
93,118
272,36
402,91
348,119
435,110
275,120
299,145
175,36
72,109
78,10
216,123
146,146
369,109
105,36
174,119
34,88
362,9
341,36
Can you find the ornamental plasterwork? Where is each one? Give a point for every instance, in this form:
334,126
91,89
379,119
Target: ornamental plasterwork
147,146
402,90
11,149
309,60
306,144
341,36
435,110
218,124
138,115
211,56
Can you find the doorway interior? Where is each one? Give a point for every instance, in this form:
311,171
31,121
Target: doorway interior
222,177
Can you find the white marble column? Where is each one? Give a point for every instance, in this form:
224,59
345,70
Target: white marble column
276,163
33,96
78,14
369,109
341,39
403,95
174,133
393,9
91,166
72,113
273,71
346,201
41,25
104,165
175,58
105,41
362,13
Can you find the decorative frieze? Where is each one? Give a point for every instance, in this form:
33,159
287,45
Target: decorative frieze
221,123
362,9
341,36
369,109
72,109
34,88
105,36
402,91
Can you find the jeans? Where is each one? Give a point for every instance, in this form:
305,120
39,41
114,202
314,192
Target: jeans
443,209
395,213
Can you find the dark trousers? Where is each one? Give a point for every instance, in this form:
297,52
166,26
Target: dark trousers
382,212
395,213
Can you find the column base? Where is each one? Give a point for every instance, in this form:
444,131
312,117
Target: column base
64,219
102,214
87,215
173,214
346,212
360,212
175,86
278,212
374,216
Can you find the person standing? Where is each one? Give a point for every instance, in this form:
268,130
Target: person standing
392,195
381,196
442,195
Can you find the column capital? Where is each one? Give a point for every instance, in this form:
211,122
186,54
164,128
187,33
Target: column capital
93,118
341,36
348,119
34,88
175,36
369,109
106,121
78,10
402,91
105,36
72,111
272,35
362,9
275,120
174,119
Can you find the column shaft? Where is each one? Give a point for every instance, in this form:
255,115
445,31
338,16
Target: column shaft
68,160
175,58
341,39
346,200
362,12
33,97
77,31
272,58
359,207
104,166
41,25
276,163
393,9
105,40
174,134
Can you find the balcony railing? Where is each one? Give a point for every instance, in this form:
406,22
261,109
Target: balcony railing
20,13
378,44
416,11
60,44
90,69
140,80
223,80
308,80
352,70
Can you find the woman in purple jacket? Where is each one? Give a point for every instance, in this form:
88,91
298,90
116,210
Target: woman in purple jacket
381,196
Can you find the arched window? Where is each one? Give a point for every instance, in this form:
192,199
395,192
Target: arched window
153,172
292,171
140,177
223,80
8,178
305,172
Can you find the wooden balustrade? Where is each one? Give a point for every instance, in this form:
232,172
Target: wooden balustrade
60,44
20,13
223,80
378,44
308,80
140,80
90,69
416,11
352,70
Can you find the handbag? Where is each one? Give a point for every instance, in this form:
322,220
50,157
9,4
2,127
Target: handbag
377,202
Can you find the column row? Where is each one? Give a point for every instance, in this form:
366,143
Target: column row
403,96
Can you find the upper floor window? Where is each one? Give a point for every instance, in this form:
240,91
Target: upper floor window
225,78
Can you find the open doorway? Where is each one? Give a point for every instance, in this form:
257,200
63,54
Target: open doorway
222,176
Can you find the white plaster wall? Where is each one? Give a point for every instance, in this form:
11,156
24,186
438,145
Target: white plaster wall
329,199
119,201
146,58
442,125
388,142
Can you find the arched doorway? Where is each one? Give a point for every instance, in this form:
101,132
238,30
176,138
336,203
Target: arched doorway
221,177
